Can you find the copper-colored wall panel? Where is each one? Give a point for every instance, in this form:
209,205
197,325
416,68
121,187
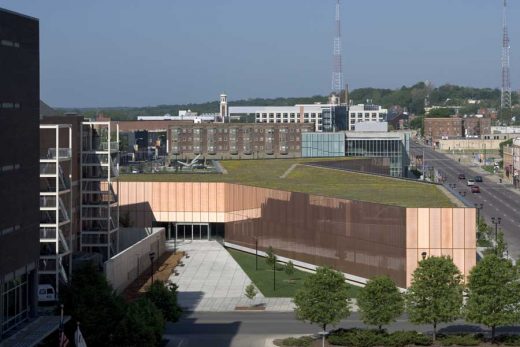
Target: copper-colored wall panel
423,223
470,229
447,228
411,228
435,228
458,228
459,259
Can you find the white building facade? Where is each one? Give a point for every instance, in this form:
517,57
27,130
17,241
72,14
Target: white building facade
365,113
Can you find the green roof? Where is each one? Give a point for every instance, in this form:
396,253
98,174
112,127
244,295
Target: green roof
314,180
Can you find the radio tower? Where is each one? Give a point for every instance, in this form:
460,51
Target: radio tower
505,100
337,74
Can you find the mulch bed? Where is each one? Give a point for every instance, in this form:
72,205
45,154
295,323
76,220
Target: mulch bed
165,266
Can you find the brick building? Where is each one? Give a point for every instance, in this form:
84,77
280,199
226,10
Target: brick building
237,140
454,127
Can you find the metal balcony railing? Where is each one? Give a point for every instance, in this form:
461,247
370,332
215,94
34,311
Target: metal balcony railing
64,153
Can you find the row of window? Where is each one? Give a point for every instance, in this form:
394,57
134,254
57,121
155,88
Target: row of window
226,148
15,303
285,115
9,43
9,105
9,230
7,168
360,114
177,131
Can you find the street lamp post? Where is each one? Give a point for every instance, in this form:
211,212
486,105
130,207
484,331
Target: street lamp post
274,274
496,221
478,207
152,257
256,253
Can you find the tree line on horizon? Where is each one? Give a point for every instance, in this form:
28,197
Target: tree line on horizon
410,98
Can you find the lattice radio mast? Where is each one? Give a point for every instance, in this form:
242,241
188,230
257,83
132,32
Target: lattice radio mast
337,74
505,100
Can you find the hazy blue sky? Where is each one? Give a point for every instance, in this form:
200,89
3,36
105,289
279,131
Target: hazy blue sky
149,52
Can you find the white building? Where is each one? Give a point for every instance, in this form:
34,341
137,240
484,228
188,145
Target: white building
365,113
308,113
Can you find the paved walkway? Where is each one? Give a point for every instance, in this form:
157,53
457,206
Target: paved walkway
212,281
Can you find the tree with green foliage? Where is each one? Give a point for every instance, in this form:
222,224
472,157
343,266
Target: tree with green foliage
324,299
289,268
441,112
380,302
142,326
164,297
251,292
89,299
270,257
435,295
493,293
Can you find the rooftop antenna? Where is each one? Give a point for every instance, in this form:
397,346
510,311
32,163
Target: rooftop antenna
505,100
337,74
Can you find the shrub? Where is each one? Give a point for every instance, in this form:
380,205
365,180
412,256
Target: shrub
357,338
460,340
303,341
510,340
164,298
371,338
403,338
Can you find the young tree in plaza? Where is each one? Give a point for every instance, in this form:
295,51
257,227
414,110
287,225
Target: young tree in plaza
270,256
289,268
493,293
251,292
323,299
380,302
435,295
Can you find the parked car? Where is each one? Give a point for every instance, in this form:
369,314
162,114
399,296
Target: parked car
475,189
46,293
471,182
462,176
478,178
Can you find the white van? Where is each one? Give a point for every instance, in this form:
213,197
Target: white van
46,293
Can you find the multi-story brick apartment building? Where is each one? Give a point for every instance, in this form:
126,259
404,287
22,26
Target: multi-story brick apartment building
237,140
442,128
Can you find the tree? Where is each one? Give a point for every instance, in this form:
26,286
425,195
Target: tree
89,299
435,295
164,298
380,302
289,268
493,293
251,292
142,326
270,256
323,299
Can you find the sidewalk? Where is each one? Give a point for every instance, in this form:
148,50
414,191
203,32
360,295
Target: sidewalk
212,281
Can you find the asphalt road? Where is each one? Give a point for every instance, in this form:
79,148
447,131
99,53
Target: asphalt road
251,329
497,200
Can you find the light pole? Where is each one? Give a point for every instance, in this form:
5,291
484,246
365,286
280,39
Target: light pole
256,253
478,207
274,274
152,257
496,221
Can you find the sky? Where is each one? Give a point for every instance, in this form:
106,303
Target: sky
101,53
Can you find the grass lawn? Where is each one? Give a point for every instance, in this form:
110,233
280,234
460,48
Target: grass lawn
314,180
286,286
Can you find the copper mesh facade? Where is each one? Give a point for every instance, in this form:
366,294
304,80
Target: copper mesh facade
360,238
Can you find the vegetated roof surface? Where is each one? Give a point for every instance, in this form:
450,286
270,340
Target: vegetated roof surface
313,180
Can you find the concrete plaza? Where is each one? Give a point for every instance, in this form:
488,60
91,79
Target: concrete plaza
212,281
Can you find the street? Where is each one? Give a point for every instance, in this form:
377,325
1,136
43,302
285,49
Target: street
497,200
252,329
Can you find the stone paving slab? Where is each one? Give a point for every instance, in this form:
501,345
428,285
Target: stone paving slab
211,280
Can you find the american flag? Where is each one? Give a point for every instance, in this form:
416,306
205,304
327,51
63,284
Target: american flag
64,341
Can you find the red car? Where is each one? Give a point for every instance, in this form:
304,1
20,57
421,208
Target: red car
475,189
